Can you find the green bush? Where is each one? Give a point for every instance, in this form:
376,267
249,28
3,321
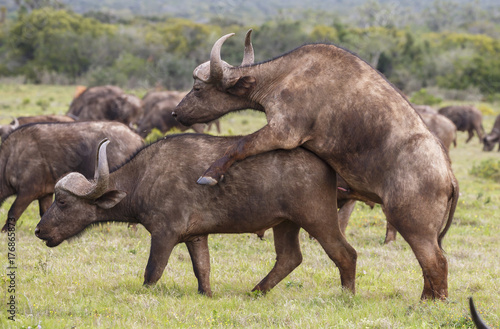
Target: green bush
422,97
489,169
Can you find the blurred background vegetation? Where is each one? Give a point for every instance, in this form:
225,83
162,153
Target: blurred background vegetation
440,49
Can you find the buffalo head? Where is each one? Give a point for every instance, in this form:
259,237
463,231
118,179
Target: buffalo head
77,202
218,87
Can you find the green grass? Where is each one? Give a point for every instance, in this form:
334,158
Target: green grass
95,281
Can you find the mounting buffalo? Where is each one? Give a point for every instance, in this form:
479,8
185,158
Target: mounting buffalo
493,137
7,129
34,156
334,104
106,103
155,188
465,118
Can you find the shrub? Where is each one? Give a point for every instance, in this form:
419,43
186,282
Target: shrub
489,169
422,97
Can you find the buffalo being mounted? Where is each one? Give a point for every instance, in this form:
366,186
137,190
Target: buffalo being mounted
156,188
34,156
331,102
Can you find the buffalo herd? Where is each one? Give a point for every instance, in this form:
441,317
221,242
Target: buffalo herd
337,132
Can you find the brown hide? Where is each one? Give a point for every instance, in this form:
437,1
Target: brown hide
156,188
333,103
34,156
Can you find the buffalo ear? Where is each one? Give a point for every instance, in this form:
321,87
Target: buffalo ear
110,199
241,86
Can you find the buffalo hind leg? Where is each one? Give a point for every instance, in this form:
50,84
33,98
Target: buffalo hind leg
200,257
339,250
434,267
288,255
16,210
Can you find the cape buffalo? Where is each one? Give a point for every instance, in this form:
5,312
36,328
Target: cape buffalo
7,129
465,118
336,105
150,189
34,156
493,137
107,103
160,117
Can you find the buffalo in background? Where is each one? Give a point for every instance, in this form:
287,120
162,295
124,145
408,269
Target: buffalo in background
157,107
106,103
5,130
34,156
465,118
439,125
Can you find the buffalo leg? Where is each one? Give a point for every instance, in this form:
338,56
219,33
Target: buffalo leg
288,255
161,248
423,240
471,134
16,210
264,140
344,214
200,257
44,203
390,233
339,250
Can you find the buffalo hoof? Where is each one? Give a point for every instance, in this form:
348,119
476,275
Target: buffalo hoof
204,180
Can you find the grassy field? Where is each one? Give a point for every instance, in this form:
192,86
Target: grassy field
95,281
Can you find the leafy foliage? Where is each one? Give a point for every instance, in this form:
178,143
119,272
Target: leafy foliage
422,97
489,169
46,44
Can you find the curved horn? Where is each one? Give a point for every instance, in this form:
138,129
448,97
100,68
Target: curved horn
78,185
216,69
16,124
101,175
248,57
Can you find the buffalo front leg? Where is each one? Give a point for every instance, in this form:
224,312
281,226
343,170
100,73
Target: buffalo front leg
288,255
44,203
161,248
200,257
16,210
266,139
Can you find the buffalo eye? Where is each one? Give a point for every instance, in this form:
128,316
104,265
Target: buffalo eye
61,203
